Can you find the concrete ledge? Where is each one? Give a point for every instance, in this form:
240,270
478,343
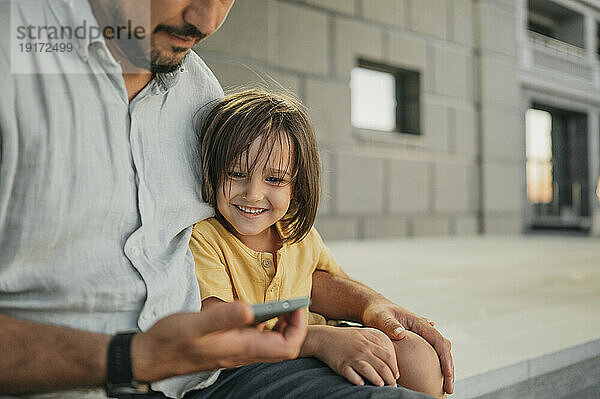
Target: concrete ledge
578,381
478,385
522,312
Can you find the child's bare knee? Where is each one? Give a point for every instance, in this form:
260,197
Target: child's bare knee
419,365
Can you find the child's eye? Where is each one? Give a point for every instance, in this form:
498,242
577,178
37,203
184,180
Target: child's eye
275,180
236,175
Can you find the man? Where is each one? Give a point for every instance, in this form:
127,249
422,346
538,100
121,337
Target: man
97,196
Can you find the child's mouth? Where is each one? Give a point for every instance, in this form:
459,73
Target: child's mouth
250,211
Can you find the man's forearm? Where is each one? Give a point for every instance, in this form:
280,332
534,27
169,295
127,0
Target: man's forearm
38,357
337,297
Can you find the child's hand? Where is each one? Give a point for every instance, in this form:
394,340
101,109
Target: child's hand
357,353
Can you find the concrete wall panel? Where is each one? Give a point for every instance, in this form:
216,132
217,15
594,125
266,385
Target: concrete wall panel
359,185
431,226
341,6
502,187
409,187
502,135
407,52
353,40
384,227
428,17
329,108
340,228
391,12
246,32
455,187
301,38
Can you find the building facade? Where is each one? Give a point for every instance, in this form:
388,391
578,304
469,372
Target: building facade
446,153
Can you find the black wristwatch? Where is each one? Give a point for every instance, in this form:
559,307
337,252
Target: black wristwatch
119,375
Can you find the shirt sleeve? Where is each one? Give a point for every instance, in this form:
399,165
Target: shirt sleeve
212,273
326,261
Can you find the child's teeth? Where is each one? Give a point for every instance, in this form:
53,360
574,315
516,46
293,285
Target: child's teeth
252,211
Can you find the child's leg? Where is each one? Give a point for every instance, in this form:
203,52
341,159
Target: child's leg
419,366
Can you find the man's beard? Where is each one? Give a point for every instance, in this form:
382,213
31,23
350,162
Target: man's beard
161,63
154,60
147,56
142,53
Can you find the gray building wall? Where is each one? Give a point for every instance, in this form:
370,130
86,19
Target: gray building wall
566,78
464,174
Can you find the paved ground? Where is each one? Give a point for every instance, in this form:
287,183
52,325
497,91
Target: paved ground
501,300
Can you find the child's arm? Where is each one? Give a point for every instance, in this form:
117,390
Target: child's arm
208,302
354,353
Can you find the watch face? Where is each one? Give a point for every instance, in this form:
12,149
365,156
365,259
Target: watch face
117,391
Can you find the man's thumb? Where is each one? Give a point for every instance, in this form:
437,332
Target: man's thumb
225,316
394,329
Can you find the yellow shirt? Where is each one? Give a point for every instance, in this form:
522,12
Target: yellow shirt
227,269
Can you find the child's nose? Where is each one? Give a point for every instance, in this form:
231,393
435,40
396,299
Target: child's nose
253,191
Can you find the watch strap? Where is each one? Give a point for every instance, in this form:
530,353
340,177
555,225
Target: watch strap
119,374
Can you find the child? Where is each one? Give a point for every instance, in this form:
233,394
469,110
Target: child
261,173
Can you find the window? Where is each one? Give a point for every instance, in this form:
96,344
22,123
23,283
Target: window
548,20
539,156
385,98
558,184
598,37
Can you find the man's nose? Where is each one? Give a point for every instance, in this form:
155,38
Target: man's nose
207,15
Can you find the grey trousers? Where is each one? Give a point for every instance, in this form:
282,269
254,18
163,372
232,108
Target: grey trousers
299,378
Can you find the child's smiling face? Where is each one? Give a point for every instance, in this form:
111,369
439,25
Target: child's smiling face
254,201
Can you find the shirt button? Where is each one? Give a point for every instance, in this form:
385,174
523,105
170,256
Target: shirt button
146,316
266,263
135,251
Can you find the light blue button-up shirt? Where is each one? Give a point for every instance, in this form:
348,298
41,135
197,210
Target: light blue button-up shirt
97,194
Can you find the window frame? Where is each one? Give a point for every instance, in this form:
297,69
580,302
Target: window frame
405,130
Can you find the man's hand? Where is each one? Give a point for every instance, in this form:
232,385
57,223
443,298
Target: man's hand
393,320
218,337
354,353
340,297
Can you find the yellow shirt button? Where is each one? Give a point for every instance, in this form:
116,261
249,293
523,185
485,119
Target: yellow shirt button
266,263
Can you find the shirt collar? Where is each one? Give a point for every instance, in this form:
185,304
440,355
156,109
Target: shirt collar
164,81
78,13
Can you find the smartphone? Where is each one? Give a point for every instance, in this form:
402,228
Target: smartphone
268,310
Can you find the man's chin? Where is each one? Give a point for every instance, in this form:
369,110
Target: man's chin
162,64
164,68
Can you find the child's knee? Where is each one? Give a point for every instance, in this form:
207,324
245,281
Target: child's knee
419,365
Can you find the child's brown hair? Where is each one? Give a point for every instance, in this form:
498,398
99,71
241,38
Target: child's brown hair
275,119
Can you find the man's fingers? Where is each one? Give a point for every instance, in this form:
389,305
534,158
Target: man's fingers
295,326
283,344
442,346
223,316
447,364
449,374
